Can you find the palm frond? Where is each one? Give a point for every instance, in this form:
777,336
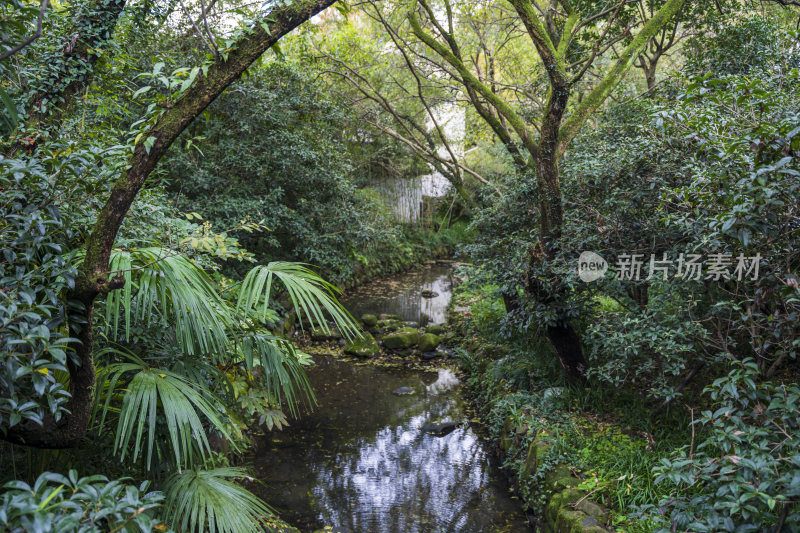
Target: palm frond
283,370
154,393
311,295
206,500
169,285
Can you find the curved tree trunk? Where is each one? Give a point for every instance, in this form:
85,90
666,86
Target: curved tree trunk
93,276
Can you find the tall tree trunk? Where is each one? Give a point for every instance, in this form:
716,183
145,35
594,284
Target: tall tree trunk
650,74
562,336
92,278
567,344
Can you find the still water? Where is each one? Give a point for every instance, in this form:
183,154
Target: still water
402,295
361,463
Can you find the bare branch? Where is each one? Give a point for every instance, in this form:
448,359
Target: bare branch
29,40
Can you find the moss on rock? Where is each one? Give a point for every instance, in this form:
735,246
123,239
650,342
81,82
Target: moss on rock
364,346
401,339
428,342
436,329
389,325
319,334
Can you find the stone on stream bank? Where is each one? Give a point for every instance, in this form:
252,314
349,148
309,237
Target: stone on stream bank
403,391
365,346
319,334
568,509
428,342
401,339
369,321
389,325
439,430
436,329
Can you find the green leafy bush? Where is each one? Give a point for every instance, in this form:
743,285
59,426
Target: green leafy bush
60,504
744,475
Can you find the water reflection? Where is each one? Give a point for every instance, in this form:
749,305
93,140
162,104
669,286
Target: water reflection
361,463
402,295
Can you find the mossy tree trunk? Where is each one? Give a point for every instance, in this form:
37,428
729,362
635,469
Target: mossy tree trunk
556,127
93,277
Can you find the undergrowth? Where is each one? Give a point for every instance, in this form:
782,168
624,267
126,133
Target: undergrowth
610,438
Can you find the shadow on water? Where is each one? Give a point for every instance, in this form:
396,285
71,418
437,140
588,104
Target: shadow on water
402,295
361,462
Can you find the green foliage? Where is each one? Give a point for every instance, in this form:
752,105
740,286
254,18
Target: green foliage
170,287
154,394
68,503
206,500
743,476
313,297
36,270
178,325
272,149
278,172
749,43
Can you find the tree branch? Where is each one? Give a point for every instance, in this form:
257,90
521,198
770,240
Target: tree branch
29,40
597,96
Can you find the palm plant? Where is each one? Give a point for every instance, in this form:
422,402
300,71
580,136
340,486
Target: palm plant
182,397
206,500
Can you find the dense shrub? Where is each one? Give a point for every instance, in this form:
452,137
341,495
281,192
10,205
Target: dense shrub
57,503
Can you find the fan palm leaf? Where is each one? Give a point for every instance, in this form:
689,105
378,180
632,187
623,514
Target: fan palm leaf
154,393
206,500
283,371
312,296
171,286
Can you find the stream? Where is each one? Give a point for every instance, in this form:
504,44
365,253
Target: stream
361,462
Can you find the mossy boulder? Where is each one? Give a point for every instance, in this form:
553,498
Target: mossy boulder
561,500
436,329
560,478
401,339
283,528
536,453
364,346
506,435
369,321
570,521
594,510
428,342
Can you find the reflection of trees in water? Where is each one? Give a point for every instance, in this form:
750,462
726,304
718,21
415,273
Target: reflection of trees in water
403,480
402,296
362,462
